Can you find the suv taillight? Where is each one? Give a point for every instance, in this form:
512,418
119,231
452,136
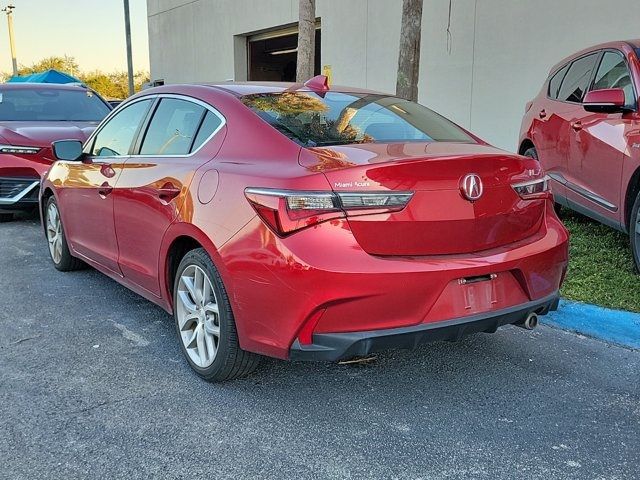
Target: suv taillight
286,211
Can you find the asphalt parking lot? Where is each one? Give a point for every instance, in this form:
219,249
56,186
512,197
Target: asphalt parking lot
93,385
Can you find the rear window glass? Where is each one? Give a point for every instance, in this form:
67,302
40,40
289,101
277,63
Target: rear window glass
335,118
556,81
48,105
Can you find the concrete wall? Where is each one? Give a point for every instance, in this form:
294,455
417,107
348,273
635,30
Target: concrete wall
499,53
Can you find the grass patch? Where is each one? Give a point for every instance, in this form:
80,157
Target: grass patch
601,268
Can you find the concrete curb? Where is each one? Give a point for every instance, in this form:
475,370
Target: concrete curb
613,326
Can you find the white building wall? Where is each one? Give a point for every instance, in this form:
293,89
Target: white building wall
499,53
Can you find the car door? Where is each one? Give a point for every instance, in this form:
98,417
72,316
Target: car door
154,185
598,144
569,111
86,199
548,135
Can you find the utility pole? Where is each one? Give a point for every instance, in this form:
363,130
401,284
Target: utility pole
127,29
9,11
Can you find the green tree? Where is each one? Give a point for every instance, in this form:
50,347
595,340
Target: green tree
64,64
102,83
113,85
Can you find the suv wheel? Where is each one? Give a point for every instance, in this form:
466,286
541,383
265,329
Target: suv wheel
58,247
531,153
634,232
205,323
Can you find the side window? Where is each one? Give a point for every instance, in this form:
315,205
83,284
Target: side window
172,128
210,124
614,73
115,137
556,81
576,81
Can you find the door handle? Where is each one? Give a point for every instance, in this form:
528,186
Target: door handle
543,113
577,126
105,189
107,171
168,192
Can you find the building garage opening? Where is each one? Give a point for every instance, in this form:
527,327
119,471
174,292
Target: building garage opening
272,55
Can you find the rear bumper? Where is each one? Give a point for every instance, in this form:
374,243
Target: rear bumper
320,284
338,346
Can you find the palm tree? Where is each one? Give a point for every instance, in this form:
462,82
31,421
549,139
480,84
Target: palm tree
409,55
306,40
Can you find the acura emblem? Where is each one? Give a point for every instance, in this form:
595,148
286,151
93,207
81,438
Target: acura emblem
471,187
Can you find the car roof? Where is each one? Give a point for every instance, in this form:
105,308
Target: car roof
240,89
42,86
613,44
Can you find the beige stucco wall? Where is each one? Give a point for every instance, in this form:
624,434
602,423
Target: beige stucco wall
500,50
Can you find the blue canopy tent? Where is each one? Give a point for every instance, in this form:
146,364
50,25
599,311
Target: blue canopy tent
49,76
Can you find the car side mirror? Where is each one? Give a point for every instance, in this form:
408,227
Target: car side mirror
70,150
607,100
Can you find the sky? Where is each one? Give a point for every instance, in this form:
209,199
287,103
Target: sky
92,31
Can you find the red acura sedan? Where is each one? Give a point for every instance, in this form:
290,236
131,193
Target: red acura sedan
306,223
31,117
583,128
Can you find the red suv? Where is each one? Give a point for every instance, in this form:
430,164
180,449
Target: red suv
584,128
304,222
32,116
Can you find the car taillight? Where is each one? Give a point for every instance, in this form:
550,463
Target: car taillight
286,211
533,189
14,149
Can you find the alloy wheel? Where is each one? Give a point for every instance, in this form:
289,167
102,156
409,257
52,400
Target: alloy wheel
198,316
54,233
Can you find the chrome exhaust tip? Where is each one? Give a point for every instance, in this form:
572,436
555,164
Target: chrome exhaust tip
531,321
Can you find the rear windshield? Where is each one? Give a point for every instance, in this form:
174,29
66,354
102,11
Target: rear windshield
48,105
335,118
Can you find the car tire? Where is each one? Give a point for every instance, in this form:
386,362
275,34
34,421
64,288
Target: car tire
634,232
57,240
531,153
205,323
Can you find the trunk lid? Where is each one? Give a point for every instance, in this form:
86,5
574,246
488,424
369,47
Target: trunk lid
438,219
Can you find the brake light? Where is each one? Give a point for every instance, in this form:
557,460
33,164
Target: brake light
533,189
286,211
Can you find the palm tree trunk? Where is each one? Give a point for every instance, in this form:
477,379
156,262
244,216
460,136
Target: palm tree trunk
306,40
409,55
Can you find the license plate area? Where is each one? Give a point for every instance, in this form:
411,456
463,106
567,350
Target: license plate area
479,292
476,294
